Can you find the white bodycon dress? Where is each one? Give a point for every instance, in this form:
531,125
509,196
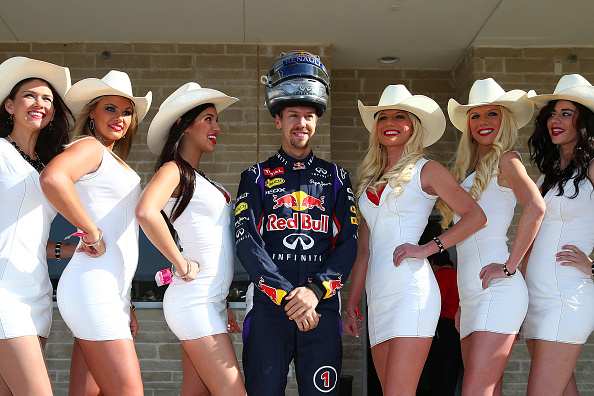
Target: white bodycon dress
561,304
403,301
94,293
501,307
25,220
198,308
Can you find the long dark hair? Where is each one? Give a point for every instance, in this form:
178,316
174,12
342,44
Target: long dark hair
544,154
170,152
54,136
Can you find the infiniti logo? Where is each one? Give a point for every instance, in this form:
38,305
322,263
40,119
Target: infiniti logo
291,240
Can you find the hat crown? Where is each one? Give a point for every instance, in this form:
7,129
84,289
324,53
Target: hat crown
571,81
485,91
394,94
118,80
187,87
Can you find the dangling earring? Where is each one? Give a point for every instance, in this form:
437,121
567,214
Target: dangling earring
9,122
51,126
380,145
92,125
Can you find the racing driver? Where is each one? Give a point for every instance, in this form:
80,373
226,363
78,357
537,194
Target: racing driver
296,235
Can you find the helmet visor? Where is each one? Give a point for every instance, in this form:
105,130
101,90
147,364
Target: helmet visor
299,70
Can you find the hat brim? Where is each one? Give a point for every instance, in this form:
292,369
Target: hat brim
168,114
88,89
516,101
423,107
580,94
19,68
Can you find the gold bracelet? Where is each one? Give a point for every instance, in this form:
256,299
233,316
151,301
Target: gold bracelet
353,316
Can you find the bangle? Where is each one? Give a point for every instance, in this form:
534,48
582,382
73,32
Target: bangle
506,271
94,243
132,307
57,250
188,269
593,268
439,244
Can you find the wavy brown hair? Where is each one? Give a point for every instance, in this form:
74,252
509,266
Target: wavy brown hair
54,136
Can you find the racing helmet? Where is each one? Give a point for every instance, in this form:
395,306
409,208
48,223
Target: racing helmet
296,78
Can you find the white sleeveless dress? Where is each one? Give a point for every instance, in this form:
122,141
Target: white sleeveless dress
198,308
94,293
501,307
25,220
561,305
403,301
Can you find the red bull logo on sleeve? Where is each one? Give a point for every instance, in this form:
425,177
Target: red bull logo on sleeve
276,295
332,286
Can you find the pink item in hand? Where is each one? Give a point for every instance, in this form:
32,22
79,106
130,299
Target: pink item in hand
163,277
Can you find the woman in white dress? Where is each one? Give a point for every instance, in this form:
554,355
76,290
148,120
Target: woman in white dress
94,189
493,298
34,123
403,297
200,211
559,273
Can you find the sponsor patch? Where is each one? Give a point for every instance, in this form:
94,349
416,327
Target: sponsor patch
273,172
274,182
354,221
240,208
299,200
332,286
299,221
276,295
298,166
353,209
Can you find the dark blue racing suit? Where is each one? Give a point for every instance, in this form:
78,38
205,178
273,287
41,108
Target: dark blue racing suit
295,225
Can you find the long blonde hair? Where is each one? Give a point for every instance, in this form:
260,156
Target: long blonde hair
82,129
487,167
376,159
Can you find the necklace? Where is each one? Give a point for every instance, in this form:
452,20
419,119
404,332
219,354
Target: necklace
35,163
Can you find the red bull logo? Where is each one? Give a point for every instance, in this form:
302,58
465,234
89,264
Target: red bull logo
288,200
311,202
332,286
299,200
276,295
299,221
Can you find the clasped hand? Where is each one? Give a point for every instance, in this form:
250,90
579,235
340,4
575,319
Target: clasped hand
301,308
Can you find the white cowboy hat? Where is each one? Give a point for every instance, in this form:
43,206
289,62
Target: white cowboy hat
177,104
115,83
19,68
397,97
572,87
488,92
